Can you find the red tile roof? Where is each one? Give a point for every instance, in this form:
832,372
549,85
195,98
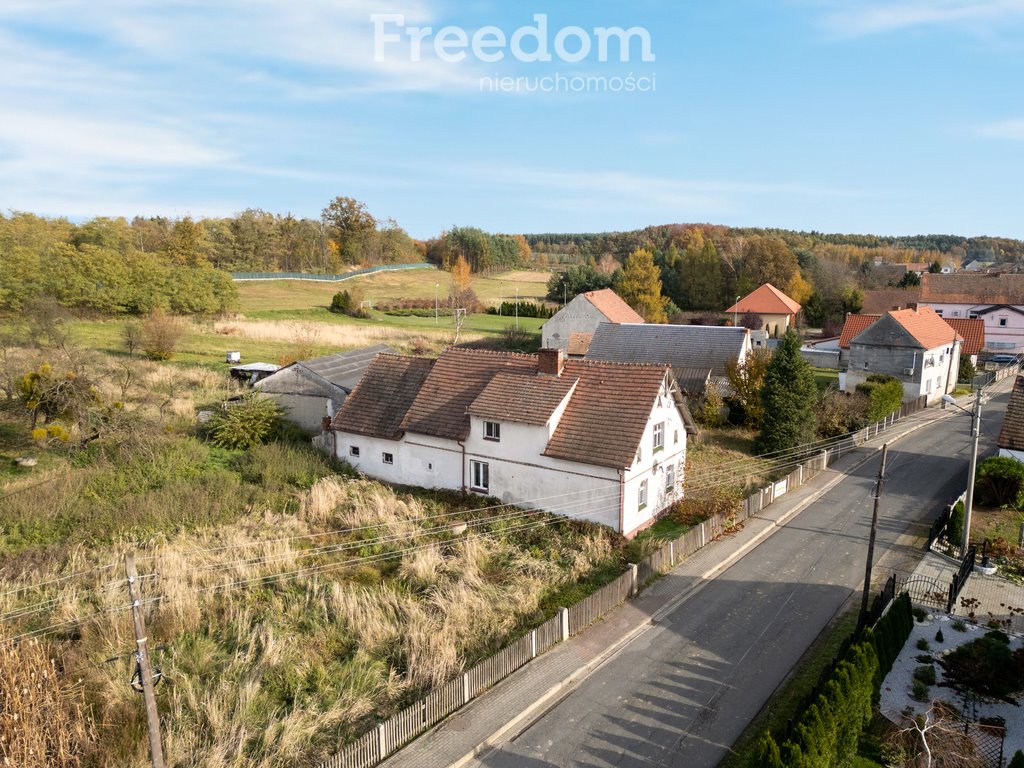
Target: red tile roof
609,304
1011,436
457,379
608,412
766,300
522,399
853,326
380,401
973,289
579,343
971,330
925,326
878,302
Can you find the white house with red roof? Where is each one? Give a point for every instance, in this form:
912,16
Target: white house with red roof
582,315
597,441
970,330
778,312
915,346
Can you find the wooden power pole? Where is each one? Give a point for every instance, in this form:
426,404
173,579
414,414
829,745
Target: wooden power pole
871,540
156,749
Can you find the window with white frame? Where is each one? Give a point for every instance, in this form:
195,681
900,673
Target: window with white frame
479,476
492,430
670,480
388,458
641,500
659,436
353,451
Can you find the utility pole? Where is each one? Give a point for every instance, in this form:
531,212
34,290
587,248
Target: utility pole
871,540
156,749
969,504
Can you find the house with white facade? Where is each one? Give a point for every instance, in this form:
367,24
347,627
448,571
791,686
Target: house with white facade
970,330
593,440
913,345
998,299
778,312
310,390
1011,436
582,315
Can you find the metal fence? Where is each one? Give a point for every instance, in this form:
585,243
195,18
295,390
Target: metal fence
326,278
392,734
961,576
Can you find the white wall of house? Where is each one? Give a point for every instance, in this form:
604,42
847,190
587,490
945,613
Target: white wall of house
1004,330
578,316
306,411
518,472
934,371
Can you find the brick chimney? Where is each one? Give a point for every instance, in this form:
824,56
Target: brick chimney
550,362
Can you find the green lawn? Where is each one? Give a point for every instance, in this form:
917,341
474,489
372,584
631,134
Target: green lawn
825,378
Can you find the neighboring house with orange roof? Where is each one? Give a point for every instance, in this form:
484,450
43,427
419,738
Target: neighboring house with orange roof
998,299
598,441
583,314
915,346
778,312
971,331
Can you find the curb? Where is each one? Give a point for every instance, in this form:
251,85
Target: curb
550,698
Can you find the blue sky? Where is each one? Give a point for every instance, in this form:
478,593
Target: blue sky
872,116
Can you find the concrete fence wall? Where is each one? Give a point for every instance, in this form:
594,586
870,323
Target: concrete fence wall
392,734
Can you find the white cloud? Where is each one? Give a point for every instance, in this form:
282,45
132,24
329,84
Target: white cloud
1005,129
883,16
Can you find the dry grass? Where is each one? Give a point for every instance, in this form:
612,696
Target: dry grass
723,457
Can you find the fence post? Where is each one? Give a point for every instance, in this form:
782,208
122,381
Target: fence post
634,580
465,688
382,741
533,643
563,624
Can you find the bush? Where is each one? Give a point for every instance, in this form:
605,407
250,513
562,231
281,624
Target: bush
1000,482
1017,761
920,614
919,690
348,302
703,504
955,526
525,309
884,393
966,372
710,412
938,637
840,413
245,424
986,666
922,645
160,334
926,674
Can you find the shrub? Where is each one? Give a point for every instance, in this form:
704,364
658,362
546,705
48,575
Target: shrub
710,412
840,413
704,503
161,334
926,674
884,393
348,302
920,614
131,336
955,526
986,666
938,637
966,371
1000,482
245,424
1018,760
922,645
959,625
919,690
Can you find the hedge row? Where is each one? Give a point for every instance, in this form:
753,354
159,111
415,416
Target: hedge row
826,734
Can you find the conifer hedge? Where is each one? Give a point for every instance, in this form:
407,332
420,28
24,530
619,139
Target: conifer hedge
827,732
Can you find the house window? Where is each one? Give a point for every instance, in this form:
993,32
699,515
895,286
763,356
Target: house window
675,438
479,476
1002,322
639,454
492,430
659,436
353,451
939,313
642,495
388,458
670,480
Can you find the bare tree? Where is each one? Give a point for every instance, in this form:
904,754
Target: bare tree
936,739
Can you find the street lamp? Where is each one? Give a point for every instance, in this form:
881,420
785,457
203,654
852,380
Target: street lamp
975,434
436,286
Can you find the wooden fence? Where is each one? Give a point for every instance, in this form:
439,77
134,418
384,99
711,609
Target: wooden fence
399,730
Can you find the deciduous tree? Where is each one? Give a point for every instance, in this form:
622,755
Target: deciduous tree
640,287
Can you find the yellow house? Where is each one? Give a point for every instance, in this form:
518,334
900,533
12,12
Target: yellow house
778,312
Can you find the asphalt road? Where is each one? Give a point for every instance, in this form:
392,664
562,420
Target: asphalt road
682,692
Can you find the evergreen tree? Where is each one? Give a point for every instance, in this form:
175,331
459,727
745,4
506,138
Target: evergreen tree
789,396
640,287
765,753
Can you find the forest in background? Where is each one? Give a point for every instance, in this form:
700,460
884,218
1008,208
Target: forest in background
117,266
